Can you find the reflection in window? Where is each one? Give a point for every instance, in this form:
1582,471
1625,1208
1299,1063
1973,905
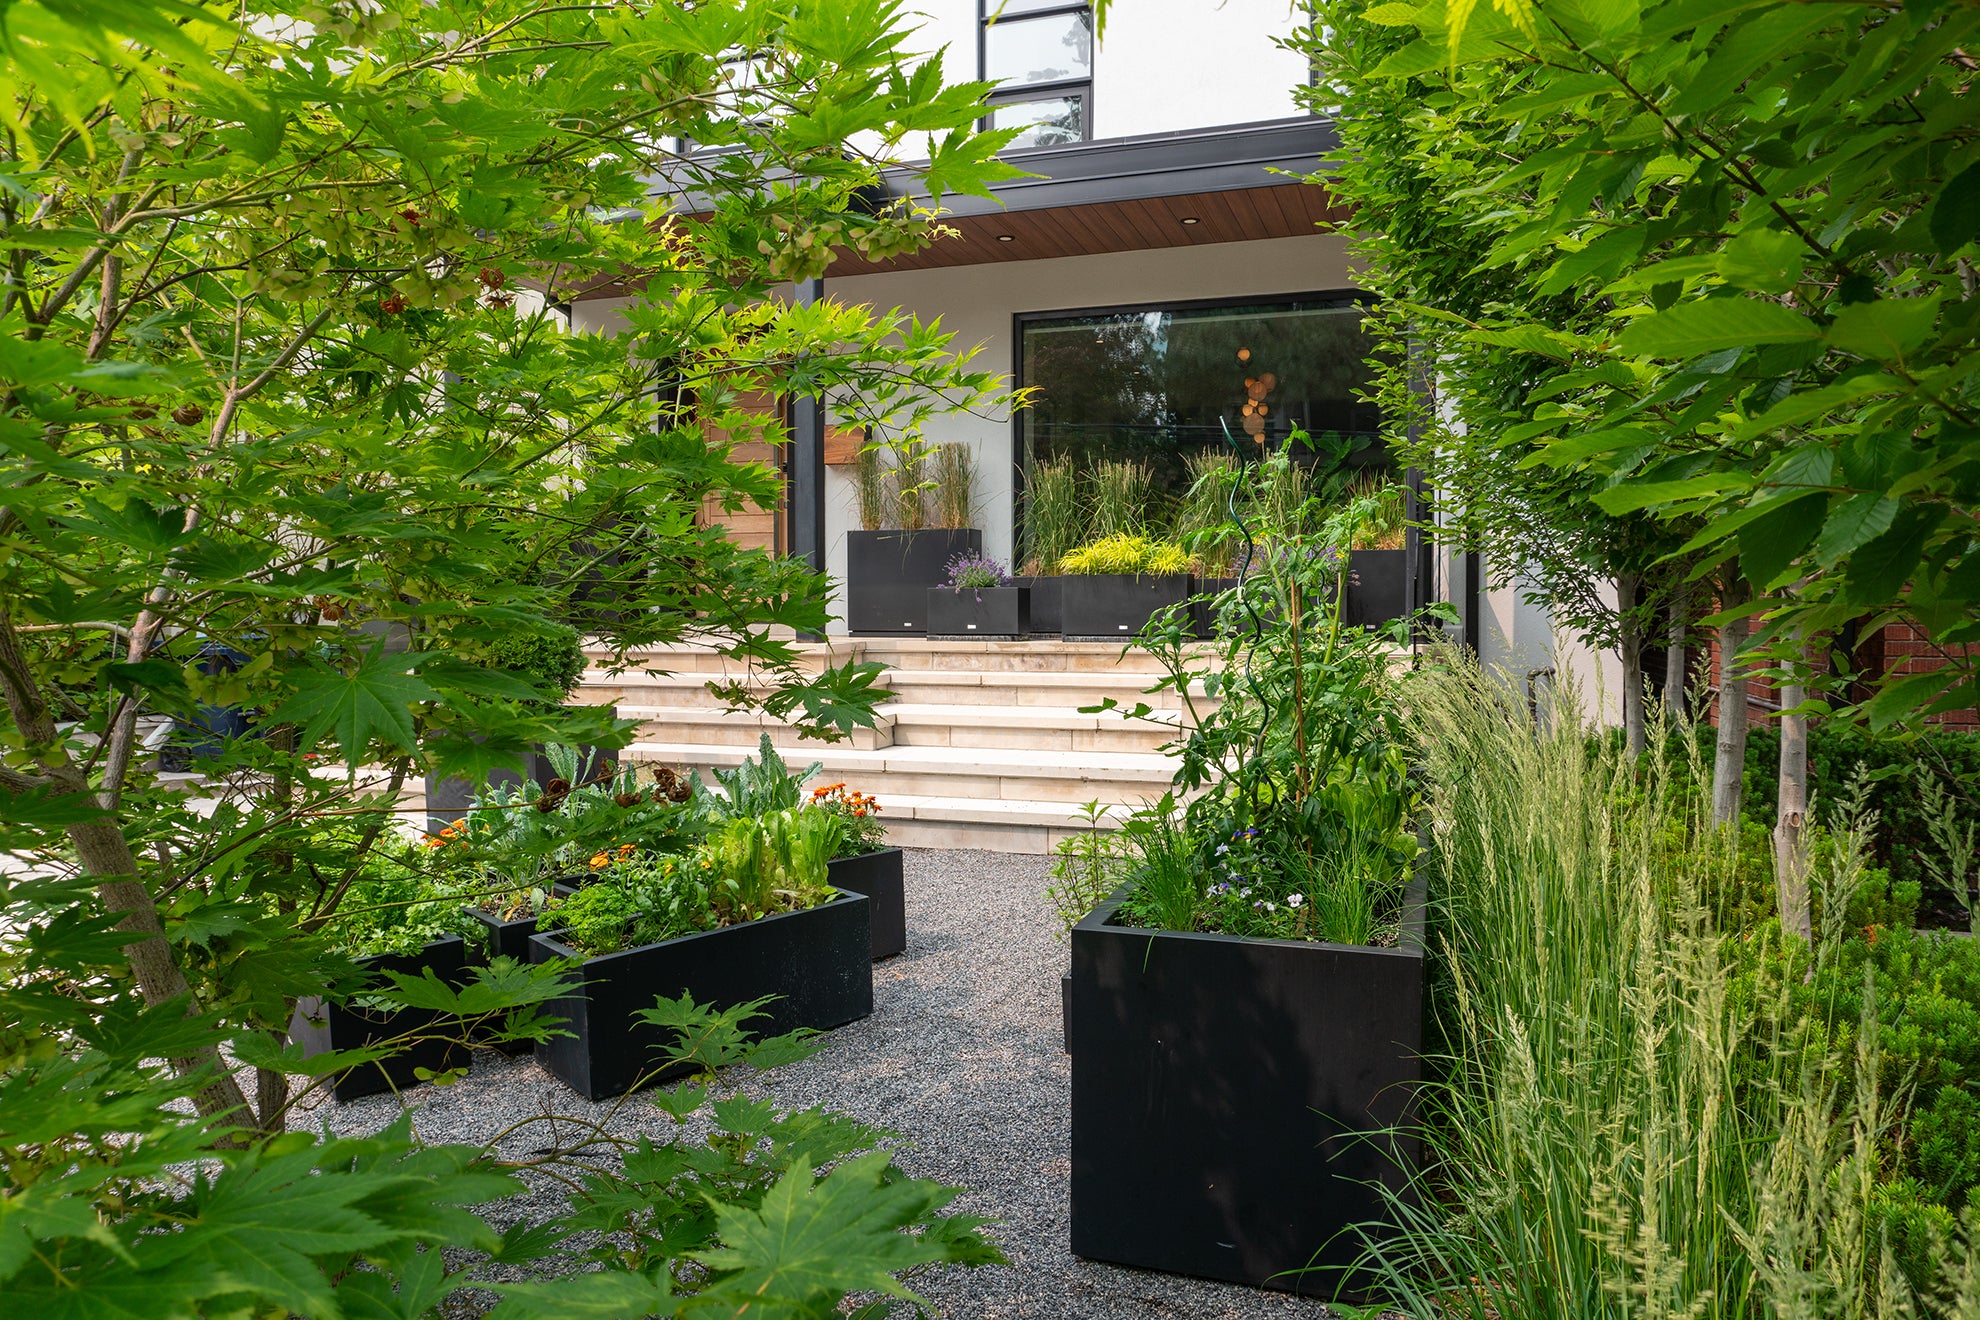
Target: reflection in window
1158,385
1056,48
1047,123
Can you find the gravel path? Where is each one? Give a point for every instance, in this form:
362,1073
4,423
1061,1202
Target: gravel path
962,1058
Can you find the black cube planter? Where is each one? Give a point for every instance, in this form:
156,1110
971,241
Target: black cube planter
817,962
1001,612
877,875
1378,590
319,1025
888,575
1203,603
1108,606
1045,602
447,800
508,938
1233,1100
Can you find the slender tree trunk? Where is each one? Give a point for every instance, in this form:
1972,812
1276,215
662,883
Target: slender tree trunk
1677,670
1791,825
1729,760
1632,662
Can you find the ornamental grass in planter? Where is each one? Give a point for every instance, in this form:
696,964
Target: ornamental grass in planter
1245,1010
890,569
748,915
1113,587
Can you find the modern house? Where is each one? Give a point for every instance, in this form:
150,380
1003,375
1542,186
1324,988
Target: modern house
1165,269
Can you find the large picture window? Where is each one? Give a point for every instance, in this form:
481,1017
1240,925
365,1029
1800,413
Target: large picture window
1157,385
1041,54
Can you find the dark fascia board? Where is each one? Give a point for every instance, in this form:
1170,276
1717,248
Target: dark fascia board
1123,169
1152,165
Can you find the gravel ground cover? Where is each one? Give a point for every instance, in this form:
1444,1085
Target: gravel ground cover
961,1057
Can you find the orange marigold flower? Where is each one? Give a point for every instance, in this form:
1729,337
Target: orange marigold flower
625,850
600,861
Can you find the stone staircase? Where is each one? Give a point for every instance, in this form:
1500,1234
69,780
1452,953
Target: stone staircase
981,745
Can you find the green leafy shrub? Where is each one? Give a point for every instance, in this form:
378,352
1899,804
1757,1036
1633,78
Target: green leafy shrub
765,784
551,660
1126,554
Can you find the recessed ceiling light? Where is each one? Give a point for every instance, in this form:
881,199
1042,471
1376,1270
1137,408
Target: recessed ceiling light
1190,220
1006,238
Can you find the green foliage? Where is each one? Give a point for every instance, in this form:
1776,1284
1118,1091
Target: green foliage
1126,554
955,485
277,373
764,785
551,661
1706,302
1118,498
858,814
1087,866
1054,518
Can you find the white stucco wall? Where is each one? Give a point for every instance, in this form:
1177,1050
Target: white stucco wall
1160,65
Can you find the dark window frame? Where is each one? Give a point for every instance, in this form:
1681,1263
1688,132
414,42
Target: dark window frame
1038,91
1021,319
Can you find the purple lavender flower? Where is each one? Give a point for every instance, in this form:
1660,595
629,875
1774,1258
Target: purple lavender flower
975,572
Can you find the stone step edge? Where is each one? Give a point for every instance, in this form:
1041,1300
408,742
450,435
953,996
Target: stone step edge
1000,762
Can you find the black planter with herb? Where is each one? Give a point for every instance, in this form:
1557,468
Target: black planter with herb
1235,1102
1045,602
888,575
448,800
319,1025
999,612
878,876
816,962
1378,587
1115,606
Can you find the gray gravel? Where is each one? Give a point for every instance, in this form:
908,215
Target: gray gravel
961,1057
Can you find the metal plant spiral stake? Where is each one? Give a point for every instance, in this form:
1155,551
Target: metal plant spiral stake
1247,776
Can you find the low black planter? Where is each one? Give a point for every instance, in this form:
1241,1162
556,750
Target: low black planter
888,575
1235,1100
1002,612
1203,603
1065,1012
507,938
1378,588
1045,602
1105,606
877,875
447,800
319,1025
818,963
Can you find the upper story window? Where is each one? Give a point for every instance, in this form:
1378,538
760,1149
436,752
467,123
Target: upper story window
1041,54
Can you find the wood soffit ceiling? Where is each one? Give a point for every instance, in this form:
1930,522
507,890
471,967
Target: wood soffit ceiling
1131,225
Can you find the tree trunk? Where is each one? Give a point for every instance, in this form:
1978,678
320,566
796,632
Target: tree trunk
1729,760
1631,639
1676,668
1791,825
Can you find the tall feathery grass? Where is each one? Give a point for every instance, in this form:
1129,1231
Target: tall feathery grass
1625,1122
1054,522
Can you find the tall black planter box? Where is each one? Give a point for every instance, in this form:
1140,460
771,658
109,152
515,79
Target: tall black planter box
877,875
1046,595
1378,591
888,575
818,963
319,1025
1203,603
447,800
1002,612
1232,1098
1108,606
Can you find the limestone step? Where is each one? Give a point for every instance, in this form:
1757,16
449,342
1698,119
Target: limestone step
712,726
941,687
974,774
1008,827
695,658
1042,655
1031,728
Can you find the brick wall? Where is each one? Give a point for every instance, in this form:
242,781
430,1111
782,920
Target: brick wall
1896,649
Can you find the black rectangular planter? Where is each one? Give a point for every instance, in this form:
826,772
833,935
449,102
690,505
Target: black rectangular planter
818,962
1106,606
878,876
1231,1098
507,939
447,800
1045,602
1003,612
1378,587
319,1026
1203,602
888,575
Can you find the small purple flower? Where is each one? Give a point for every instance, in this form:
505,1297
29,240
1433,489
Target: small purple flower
975,572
